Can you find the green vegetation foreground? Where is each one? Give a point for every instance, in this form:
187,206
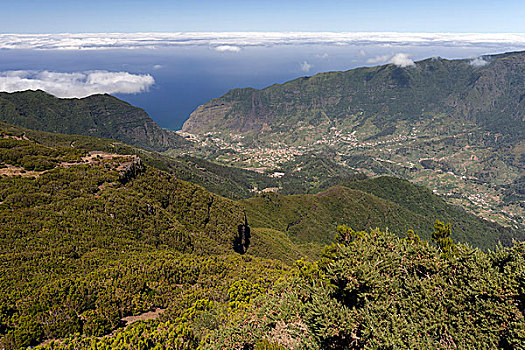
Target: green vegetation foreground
376,291
88,238
371,290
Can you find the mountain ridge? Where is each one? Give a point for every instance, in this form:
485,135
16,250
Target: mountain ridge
454,126
374,90
96,115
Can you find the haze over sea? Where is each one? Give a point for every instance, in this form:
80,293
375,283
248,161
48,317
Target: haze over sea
197,67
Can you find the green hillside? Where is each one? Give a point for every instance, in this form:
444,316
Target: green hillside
374,290
229,182
89,237
98,115
308,218
383,95
93,231
422,201
448,125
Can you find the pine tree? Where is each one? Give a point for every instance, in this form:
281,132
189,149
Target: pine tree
441,236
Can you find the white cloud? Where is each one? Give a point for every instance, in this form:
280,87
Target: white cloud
402,60
305,67
478,62
234,41
324,55
399,59
158,66
379,59
228,48
77,84
362,53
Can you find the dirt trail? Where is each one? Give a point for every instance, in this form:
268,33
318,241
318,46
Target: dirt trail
11,170
89,159
150,315
20,138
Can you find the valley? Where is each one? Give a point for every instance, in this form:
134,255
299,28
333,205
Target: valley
269,223
474,177
431,124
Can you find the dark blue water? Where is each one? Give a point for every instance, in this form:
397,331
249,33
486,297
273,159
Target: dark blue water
189,76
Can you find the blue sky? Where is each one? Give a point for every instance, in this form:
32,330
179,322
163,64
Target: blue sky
59,16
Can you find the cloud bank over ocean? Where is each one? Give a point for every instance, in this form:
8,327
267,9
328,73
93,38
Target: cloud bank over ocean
234,41
78,84
226,48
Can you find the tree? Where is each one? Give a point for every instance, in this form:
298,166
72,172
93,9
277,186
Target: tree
441,236
345,235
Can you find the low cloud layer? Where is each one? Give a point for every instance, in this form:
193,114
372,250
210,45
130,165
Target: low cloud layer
228,48
305,67
478,62
402,60
234,41
78,84
399,59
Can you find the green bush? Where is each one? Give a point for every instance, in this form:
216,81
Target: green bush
387,292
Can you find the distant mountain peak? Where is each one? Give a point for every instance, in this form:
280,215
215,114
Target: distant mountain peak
460,88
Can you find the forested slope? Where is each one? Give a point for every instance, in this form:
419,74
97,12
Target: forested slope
97,115
88,237
310,218
373,290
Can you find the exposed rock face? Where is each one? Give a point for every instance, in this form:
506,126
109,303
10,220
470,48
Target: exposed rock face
208,113
131,169
98,115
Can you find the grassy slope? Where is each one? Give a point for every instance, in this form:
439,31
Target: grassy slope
422,201
314,218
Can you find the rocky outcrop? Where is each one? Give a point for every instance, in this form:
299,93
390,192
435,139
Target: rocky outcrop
129,170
